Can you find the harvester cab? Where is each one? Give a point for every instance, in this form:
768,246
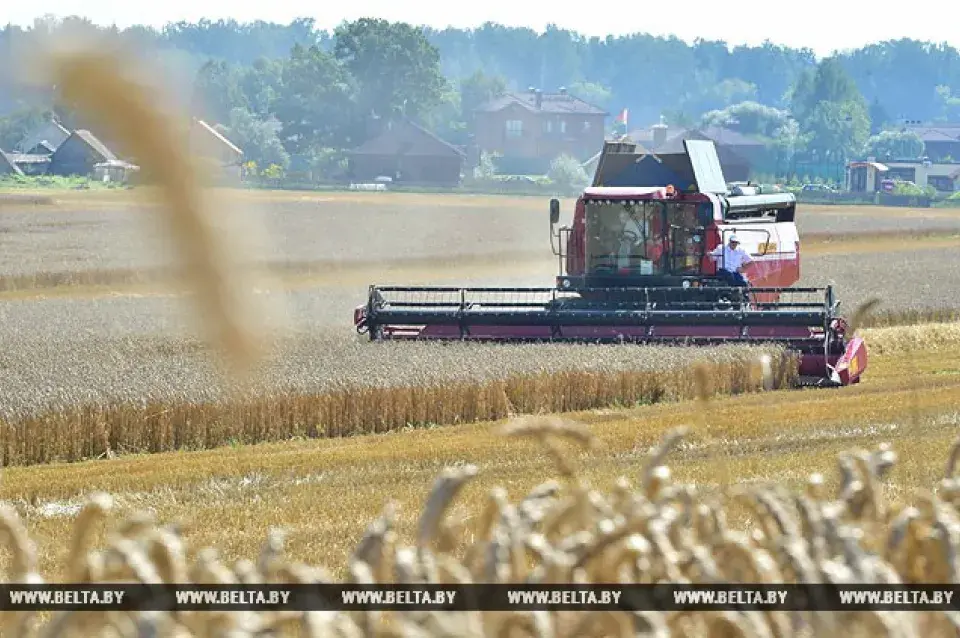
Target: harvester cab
643,261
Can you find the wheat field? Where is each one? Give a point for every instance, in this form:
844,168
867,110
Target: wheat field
765,480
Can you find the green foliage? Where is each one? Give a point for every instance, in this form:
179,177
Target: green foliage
326,162
898,76
828,83
273,171
54,182
262,86
912,190
949,104
879,118
18,124
257,139
486,168
323,87
890,145
788,141
749,118
833,115
478,89
316,102
567,173
217,90
593,93
396,68
838,130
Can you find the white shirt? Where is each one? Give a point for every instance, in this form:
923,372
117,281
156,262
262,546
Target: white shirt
732,258
633,226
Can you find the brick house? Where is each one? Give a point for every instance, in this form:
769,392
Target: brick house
529,130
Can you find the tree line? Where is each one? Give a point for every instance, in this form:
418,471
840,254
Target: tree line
294,96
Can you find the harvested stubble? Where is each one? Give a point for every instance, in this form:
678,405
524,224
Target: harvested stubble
370,395
644,530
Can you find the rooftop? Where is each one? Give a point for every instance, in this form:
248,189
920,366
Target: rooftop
51,133
91,140
558,103
946,132
218,136
404,137
719,134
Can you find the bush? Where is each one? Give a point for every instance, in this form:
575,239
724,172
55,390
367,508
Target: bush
54,182
912,190
486,168
567,173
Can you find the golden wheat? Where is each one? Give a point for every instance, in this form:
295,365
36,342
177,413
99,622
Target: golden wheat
635,533
579,379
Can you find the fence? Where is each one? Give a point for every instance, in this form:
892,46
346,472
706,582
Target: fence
467,187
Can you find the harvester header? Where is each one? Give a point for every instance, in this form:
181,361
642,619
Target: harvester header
660,250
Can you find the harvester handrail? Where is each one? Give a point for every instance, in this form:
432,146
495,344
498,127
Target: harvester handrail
617,289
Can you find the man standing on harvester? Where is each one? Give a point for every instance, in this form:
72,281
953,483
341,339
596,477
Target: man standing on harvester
730,260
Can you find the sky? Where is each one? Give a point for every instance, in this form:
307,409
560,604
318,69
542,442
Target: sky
821,25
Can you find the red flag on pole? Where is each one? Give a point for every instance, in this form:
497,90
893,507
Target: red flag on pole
622,117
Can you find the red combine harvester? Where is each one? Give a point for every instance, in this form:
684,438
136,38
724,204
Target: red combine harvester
636,266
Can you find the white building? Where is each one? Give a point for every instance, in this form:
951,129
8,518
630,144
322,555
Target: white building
868,176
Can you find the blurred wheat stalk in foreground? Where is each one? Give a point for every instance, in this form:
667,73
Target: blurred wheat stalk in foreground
643,531
98,80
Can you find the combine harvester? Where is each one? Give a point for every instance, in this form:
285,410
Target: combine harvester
635,267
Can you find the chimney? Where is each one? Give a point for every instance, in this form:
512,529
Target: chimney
563,90
539,95
659,133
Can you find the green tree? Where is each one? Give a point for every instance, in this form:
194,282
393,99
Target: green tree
17,125
567,173
314,108
446,118
217,91
838,130
258,139
396,68
949,104
890,145
749,118
829,83
262,85
592,92
833,114
879,117
486,168
787,144
478,89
